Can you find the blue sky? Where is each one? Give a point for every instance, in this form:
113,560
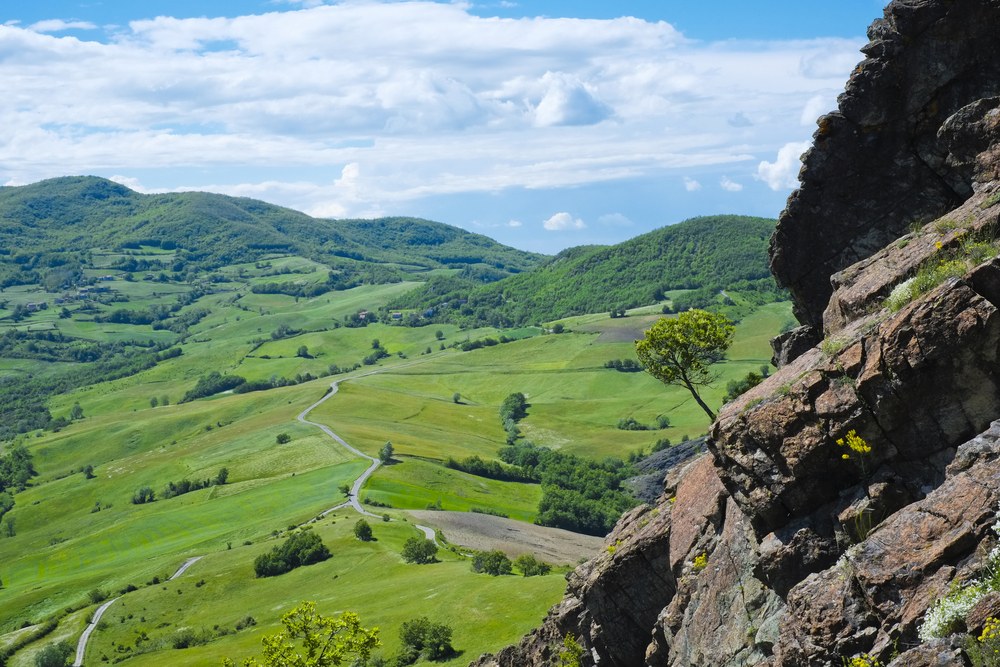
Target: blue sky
542,124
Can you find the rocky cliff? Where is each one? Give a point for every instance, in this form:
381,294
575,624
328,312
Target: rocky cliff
845,512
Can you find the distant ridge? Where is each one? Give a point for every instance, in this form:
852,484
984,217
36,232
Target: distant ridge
705,253
69,214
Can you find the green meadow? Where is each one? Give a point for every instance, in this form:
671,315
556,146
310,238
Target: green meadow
76,535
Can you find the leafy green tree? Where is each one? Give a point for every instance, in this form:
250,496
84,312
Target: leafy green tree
422,638
363,530
681,350
282,438
300,549
54,655
76,412
8,526
143,495
88,472
531,566
153,402
456,397
303,352
221,477
420,551
312,640
494,563
439,334
386,452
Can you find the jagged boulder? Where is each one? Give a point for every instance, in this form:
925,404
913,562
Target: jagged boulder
876,165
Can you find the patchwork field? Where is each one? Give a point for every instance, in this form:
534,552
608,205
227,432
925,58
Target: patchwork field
77,539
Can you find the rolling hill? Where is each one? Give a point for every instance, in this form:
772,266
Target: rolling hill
707,253
47,229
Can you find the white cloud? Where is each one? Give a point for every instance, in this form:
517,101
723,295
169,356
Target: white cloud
691,185
783,173
729,185
423,98
129,182
514,223
814,108
561,222
567,101
58,25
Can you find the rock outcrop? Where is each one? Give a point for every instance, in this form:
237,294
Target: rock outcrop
860,483
877,165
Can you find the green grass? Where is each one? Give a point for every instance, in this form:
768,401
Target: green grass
62,549
369,578
415,484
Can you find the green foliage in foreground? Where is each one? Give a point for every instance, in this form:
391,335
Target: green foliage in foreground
325,641
303,548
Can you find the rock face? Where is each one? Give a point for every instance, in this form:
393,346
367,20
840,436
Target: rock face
877,164
860,483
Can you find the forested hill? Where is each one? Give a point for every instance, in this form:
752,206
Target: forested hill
48,224
707,254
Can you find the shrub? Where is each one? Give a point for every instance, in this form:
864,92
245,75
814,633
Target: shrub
422,638
736,387
631,424
531,566
143,495
420,551
363,531
947,613
283,438
494,563
298,550
54,655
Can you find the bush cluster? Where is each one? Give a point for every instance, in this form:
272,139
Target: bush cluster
420,551
304,548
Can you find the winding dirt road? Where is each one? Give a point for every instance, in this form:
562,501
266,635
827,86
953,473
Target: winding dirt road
352,501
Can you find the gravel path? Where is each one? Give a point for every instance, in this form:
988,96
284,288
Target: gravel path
81,646
352,499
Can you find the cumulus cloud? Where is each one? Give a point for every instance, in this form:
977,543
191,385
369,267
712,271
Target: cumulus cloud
567,101
783,173
422,98
729,185
691,185
562,221
514,223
